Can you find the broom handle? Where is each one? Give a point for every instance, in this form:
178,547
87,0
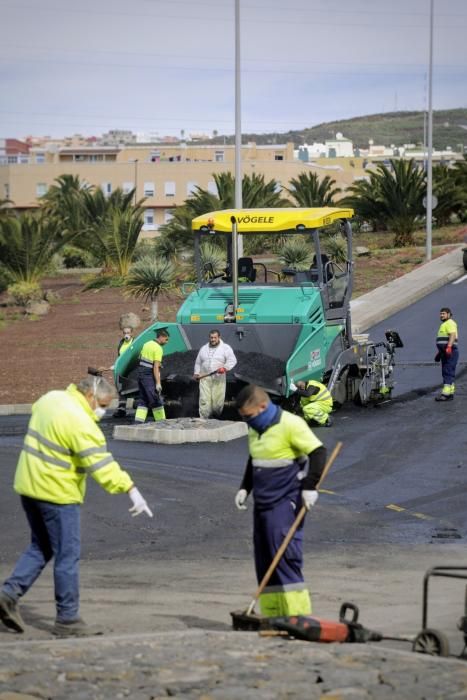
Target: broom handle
293,529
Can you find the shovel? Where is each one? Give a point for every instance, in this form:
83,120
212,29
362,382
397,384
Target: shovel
295,525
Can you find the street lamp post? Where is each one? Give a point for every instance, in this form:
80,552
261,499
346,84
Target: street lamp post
429,178
238,123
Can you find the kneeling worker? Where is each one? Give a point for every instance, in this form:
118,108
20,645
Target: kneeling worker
285,464
315,402
149,378
63,445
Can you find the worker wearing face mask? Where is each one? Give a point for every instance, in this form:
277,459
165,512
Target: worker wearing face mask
285,464
125,342
62,446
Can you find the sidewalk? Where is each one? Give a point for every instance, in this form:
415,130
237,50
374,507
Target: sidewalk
375,306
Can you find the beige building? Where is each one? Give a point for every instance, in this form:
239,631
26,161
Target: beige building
164,175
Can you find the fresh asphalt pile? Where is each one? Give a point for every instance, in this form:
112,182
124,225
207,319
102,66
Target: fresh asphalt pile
255,366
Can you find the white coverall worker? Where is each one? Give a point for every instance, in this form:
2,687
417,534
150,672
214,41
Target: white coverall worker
212,389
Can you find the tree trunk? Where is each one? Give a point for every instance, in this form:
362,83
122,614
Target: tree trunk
154,309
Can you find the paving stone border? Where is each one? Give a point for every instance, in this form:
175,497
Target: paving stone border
175,431
221,665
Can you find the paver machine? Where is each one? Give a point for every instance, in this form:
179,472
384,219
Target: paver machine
284,325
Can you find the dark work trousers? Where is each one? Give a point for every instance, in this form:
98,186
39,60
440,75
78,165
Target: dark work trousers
270,528
55,533
448,365
148,396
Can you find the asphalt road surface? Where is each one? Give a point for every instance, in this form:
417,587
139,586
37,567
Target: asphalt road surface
400,480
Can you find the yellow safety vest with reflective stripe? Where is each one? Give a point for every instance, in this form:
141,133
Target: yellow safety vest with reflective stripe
445,330
283,443
151,352
124,345
64,444
323,395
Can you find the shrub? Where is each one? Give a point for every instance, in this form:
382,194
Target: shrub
23,292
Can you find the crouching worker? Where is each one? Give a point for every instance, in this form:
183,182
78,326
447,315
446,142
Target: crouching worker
315,402
63,444
285,464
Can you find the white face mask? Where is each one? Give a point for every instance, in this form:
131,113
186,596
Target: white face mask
99,412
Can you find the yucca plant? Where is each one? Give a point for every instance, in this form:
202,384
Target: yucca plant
296,254
147,278
212,259
336,248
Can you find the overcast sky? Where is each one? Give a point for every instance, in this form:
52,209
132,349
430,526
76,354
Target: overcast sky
86,66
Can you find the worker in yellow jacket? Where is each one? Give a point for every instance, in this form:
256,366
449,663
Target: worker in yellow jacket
62,446
315,402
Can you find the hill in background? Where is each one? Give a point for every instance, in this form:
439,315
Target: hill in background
398,128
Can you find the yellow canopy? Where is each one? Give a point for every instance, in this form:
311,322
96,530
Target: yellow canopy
270,220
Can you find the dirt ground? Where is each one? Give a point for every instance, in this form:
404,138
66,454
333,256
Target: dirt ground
81,329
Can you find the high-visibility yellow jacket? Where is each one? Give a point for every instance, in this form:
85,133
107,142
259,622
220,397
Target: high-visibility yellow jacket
323,395
64,444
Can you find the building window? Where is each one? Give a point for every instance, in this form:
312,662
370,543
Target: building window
41,189
278,156
149,189
40,157
106,188
12,159
6,188
127,187
219,156
191,187
168,215
169,188
149,224
212,187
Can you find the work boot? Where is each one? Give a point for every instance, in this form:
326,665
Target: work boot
329,422
119,413
444,397
75,628
9,613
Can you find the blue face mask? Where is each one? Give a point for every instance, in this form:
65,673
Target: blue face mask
264,419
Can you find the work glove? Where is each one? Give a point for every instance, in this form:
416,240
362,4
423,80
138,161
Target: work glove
309,498
221,370
438,357
448,350
158,388
240,499
139,504
293,387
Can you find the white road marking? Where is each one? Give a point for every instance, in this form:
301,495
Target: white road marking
461,279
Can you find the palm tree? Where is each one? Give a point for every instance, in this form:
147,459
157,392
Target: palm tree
117,235
255,193
393,196
28,244
147,278
451,194
309,191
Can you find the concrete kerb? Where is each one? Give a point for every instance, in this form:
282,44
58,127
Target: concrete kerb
373,307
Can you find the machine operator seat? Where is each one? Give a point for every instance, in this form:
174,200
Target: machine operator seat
246,270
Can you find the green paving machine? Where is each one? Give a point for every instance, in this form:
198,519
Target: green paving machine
284,325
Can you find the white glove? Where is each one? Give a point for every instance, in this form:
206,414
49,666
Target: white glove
240,499
309,498
139,504
158,388
293,387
